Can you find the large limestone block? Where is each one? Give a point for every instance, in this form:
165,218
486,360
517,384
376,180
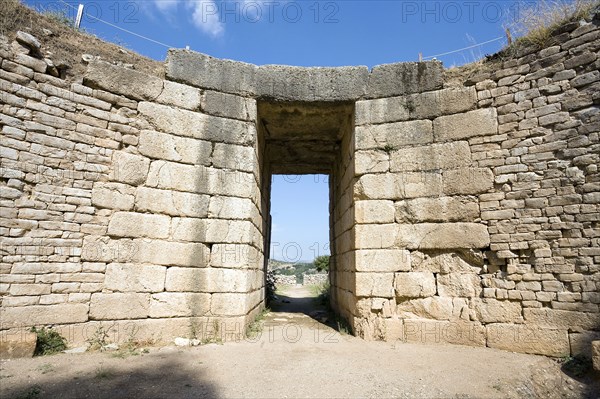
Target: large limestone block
290,83
180,95
212,280
440,209
119,80
368,236
528,339
37,315
129,168
173,148
371,161
581,342
391,136
131,277
158,252
174,203
414,285
382,260
375,284
18,345
467,181
236,256
132,224
394,186
389,80
596,355
232,304
180,177
179,304
563,319
442,235
459,285
381,110
114,306
432,104
113,196
236,157
228,105
172,253
481,122
433,307
444,332
374,211
488,310
232,208
181,122
450,262
213,230
206,72
433,157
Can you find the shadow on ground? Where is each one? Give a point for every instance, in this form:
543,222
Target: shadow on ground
112,378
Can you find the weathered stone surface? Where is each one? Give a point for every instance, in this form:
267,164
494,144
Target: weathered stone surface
441,209
563,319
129,168
231,208
371,161
433,157
232,304
115,306
481,122
528,339
289,83
179,304
375,284
432,104
433,307
449,262
185,123
131,224
581,342
212,230
374,211
211,280
228,105
119,80
459,285
36,315
169,202
596,355
414,284
382,260
467,181
18,345
28,40
113,196
236,256
206,72
488,310
445,332
102,249
179,95
381,110
398,185
442,235
403,78
390,136
173,148
130,277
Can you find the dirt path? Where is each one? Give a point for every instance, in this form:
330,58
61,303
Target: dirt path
295,356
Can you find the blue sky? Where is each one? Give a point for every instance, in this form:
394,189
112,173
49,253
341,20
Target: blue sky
303,33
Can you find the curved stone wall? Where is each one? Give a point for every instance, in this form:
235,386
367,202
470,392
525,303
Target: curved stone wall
464,205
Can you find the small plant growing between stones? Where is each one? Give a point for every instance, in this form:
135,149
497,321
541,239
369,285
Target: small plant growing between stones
48,341
388,148
46,368
576,366
102,373
100,338
32,393
256,327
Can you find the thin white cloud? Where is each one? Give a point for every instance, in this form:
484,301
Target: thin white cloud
206,17
166,6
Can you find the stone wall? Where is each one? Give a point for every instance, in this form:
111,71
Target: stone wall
464,204
315,279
